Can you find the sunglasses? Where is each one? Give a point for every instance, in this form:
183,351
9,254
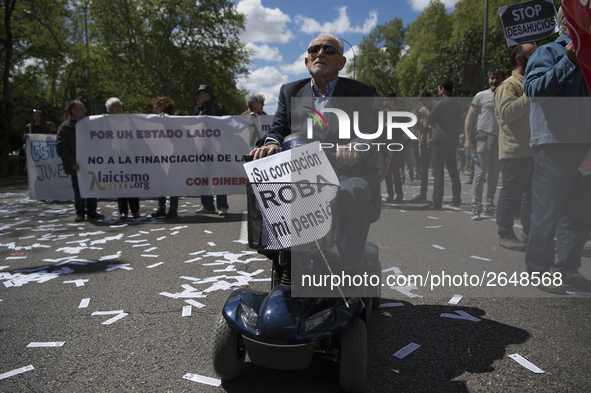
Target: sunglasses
327,49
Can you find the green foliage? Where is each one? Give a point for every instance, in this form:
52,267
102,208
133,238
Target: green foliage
380,52
137,49
438,45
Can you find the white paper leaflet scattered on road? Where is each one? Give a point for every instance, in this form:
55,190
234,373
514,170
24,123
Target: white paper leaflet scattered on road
438,247
84,303
394,269
386,314
433,218
46,344
124,266
18,371
186,311
149,256
106,312
118,315
229,268
482,259
197,252
463,315
455,299
195,303
154,265
388,305
406,350
407,291
203,380
433,226
161,238
526,363
211,244
79,283
194,260
208,232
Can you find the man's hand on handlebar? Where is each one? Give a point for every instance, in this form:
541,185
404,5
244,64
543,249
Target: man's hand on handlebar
264,151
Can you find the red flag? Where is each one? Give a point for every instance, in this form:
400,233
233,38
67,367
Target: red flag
578,17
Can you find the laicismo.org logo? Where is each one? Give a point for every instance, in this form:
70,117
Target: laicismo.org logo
119,181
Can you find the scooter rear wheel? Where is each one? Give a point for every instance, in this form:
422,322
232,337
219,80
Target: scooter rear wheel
353,367
227,350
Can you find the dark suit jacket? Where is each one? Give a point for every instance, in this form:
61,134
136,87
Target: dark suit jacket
289,120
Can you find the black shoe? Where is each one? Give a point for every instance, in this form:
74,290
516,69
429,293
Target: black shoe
431,206
577,281
96,216
547,285
161,212
79,219
390,199
171,213
511,243
399,199
418,199
468,182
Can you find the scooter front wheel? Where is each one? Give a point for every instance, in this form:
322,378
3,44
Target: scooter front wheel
353,367
227,350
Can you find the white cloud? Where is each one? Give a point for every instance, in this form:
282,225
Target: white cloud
296,68
339,26
265,52
350,60
261,77
420,5
264,24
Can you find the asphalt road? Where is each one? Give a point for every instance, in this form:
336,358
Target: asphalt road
49,264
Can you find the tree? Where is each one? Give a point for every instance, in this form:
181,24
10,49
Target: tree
29,35
379,55
147,48
420,68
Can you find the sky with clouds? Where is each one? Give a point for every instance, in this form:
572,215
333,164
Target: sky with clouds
278,33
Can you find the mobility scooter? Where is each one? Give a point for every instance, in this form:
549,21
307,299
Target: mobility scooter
281,331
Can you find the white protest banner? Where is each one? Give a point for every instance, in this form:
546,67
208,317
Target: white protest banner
149,155
47,179
529,21
298,210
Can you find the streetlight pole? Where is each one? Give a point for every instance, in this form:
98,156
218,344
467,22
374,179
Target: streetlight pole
88,58
483,80
354,56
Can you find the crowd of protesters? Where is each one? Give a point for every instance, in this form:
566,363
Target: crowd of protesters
511,129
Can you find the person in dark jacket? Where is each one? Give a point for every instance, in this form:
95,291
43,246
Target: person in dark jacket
66,148
446,119
207,106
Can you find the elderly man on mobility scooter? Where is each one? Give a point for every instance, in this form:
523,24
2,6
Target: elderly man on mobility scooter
338,329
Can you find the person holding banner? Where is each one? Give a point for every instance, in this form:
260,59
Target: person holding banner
561,138
207,106
356,205
164,106
36,126
255,102
114,107
66,148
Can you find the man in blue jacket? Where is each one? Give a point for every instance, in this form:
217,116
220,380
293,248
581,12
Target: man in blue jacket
560,119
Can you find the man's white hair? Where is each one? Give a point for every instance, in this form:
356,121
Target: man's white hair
341,46
110,102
